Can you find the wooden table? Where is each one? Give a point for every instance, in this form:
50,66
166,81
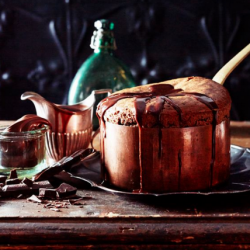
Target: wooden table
119,222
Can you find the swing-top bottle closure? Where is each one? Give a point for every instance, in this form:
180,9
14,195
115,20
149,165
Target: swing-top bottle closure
103,37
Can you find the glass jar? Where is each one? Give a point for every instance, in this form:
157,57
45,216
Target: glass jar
23,151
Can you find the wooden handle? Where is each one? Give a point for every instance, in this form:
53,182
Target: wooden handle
226,70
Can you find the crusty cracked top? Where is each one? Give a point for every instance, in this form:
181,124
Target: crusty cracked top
193,112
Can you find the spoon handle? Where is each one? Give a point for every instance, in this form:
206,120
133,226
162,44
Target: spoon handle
227,69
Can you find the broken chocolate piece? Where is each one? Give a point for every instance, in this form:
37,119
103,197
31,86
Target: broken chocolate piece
13,174
47,193
27,181
41,184
48,172
3,178
67,177
12,181
65,190
76,157
15,187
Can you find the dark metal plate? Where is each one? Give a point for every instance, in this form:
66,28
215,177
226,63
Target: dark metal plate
89,171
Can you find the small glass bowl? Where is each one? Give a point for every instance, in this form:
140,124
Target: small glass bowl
23,151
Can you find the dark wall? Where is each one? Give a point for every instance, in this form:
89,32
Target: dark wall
44,42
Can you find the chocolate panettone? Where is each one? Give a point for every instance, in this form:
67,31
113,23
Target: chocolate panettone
166,137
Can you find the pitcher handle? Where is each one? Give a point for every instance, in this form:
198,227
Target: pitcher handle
98,92
94,136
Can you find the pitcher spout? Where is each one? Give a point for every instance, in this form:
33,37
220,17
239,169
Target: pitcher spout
63,118
42,106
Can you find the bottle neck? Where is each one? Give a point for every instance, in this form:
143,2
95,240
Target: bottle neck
98,50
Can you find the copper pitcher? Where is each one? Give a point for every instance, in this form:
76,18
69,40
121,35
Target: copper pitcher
71,125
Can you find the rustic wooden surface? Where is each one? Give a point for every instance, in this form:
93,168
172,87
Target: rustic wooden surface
105,220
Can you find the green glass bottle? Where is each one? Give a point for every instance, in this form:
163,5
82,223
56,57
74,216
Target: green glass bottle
102,70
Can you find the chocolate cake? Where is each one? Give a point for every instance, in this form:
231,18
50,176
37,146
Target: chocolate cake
166,137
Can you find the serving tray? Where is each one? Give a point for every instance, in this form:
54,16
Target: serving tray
89,171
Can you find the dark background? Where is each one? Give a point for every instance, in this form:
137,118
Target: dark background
44,42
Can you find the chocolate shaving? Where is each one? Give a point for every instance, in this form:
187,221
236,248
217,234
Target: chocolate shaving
13,174
75,201
34,198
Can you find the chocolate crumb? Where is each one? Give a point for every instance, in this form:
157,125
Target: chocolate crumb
55,209
77,204
48,206
73,201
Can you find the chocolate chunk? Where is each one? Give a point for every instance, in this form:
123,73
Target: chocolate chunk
47,193
13,174
27,181
12,181
41,184
65,190
3,178
15,187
